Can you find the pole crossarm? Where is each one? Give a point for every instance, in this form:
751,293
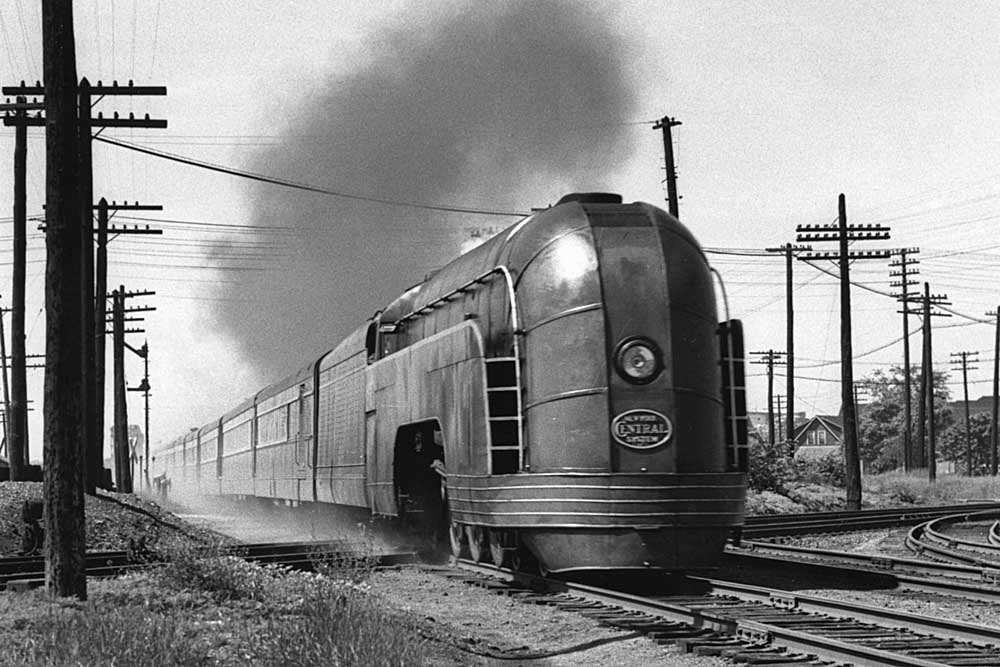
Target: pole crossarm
99,89
853,254
125,206
790,247
129,295
7,107
124,229
100,121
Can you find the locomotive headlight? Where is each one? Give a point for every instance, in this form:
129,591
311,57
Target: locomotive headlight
638,360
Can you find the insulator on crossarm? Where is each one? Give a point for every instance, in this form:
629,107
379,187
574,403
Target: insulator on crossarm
131,116
116,115
130,84
115,83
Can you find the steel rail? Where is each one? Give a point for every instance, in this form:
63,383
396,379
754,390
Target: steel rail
935,531
708,612
787,524
870,562
757,629
30,570
928,538
815,604
951,587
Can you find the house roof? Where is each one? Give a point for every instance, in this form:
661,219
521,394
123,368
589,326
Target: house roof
829,422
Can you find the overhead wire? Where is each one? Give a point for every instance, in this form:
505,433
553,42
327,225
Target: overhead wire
304,186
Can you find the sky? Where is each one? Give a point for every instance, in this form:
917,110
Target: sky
505,106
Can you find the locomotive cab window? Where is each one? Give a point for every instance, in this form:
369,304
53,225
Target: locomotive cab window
371,340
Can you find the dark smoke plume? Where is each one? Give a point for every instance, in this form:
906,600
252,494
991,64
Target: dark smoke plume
502,105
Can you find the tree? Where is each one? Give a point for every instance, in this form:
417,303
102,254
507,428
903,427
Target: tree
952,444
880,424
769,465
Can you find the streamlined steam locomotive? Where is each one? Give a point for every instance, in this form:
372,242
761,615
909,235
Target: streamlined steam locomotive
563,392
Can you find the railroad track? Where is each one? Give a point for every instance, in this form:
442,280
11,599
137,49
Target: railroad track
904,570
829,522
933,539
754,624
29,571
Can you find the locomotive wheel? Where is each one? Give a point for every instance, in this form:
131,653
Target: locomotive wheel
477,542
497,551
456,536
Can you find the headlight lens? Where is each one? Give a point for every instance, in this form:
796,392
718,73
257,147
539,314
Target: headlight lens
638,360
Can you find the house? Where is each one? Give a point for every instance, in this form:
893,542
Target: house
758,421
819,436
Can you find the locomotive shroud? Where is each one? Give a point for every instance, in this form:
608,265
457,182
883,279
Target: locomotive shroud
567,372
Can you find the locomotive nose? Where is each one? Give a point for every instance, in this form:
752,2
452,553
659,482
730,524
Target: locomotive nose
622,358
664,411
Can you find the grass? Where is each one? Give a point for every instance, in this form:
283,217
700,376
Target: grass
915,489
895,489
207,607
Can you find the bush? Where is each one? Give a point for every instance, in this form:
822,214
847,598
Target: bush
826,470
769,466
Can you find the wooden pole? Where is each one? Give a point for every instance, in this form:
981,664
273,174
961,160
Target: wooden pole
65,571
996,396
123,463
6,391
90,438
100,340
852,461
790,352
929,388
17,426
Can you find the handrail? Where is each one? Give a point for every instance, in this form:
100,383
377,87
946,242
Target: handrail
515,324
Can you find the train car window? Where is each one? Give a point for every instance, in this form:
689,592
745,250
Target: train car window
390,335
371,341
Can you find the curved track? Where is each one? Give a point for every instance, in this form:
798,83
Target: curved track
938,539
830,522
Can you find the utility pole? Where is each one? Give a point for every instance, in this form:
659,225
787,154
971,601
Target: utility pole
93,424
6,391
904,272
780,427
665,124
789,251
965,357
842,233
143,353
122,458
122,478
996,393
770,358
95,458
65,568
927,382
16,418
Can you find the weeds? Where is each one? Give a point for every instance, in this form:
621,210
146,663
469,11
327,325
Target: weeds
205,606
96,636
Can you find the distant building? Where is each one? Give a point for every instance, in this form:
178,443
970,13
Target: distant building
818,437
758,421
